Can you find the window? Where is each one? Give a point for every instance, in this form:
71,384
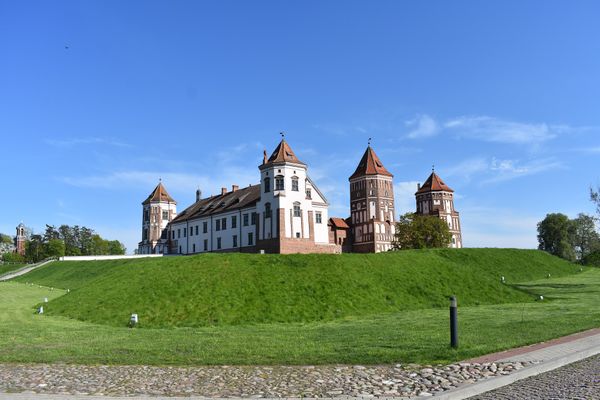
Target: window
297,235
218,243
250,239
205,227
218,225
279,183
196,230
223,223
178,233
267,185
308,194
194,247
253,218
245,219
164,233
146,216
165,214
192,231
297,212
295,184
145,234
268,210
233,222
179,249
184,232
205,244
173,234
234,240
318,217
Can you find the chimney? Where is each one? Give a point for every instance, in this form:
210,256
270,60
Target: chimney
223,191
234,188
198,194
418,186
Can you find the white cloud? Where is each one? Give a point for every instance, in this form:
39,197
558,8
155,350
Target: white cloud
467,168
422,126
496,130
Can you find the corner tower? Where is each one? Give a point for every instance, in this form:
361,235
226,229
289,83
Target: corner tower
158,210
436,198
371,205
292,214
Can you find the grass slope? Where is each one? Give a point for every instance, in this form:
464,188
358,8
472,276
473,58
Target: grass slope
241,289
419,336
5,268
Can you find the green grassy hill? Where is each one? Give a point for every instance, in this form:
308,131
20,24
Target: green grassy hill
236,289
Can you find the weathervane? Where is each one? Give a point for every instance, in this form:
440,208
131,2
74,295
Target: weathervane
282,135
432,167
369,142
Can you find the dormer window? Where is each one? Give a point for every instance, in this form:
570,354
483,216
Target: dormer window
295,184
279,183
267,185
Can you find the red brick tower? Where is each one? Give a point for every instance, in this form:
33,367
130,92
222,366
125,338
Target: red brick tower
20,239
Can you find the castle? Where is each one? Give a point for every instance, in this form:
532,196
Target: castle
287,213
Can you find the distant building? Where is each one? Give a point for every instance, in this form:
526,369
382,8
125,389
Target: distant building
20,239
157,211
436,198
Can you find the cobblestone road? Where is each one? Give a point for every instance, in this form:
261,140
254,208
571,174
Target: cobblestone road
580,380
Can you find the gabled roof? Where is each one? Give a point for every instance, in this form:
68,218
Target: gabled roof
159,194
434,184
229,201
283,153
339,223
370,164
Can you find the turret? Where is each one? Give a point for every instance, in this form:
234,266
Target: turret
157,211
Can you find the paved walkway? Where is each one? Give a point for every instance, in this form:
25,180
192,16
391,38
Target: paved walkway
23,271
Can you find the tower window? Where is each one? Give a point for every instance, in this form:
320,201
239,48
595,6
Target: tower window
279,183
268,211
295,184
165,215
267,185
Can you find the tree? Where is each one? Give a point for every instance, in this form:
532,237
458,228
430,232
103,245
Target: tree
34,249
6,239
584,238
116,248
13,258
555,234
595,198
415,231
54,248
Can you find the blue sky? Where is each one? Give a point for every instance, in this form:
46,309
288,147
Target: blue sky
502,97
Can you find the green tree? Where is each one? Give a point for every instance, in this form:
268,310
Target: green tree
584,237
415,231
34,249
595,198
6,239
555,233
116,248
54,248
13,258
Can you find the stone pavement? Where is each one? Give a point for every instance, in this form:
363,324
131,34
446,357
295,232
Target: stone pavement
456,381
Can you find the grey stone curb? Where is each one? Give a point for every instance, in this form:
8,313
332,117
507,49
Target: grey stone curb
487,385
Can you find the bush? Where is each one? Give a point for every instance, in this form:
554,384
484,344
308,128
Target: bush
592,259
13,258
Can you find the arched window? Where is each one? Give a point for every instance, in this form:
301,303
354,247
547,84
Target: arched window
267,210
295,184
279,185
267,185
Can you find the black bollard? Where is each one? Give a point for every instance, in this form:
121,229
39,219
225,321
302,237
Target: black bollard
453,323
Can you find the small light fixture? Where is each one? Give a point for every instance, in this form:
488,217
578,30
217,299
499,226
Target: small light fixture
133,320
541,298
41,310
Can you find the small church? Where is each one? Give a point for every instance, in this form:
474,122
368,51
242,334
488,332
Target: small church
287,213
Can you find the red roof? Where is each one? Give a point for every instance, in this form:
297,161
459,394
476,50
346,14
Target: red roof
339,223
283,153
159,194
433,184
370,164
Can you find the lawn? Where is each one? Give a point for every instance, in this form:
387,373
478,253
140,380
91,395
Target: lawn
243,289
419,336
4,268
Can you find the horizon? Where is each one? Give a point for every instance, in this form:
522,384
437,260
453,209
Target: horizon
101,100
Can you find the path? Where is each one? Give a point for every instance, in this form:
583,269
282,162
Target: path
24,270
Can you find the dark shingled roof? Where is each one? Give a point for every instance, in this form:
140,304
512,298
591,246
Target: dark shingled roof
433,184
229,201
159,194
370,164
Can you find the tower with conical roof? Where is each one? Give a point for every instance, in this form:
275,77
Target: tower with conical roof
292,214
157,211
436,198
371,205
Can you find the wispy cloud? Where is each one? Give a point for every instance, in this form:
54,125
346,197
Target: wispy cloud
423,126
404,197
498,170
65,143
502,131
